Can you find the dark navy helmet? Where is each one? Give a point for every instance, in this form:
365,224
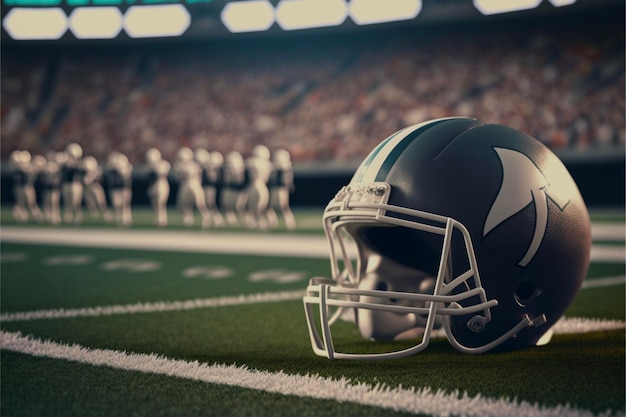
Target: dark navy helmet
473,230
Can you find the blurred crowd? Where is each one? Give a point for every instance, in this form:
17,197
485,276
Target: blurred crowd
330,98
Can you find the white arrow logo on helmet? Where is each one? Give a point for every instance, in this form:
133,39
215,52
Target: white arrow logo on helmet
522,184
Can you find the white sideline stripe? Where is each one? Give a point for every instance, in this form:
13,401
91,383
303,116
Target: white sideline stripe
420,400
207,241
608,253
608,231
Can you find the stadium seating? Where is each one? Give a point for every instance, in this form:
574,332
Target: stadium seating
321,98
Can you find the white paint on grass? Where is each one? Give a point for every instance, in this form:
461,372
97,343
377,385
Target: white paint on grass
175,241
157,307
604,282
608,253
420,400
608,231
304,246
163,306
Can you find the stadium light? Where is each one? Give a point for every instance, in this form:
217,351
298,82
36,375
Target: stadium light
559,3
96,22
35,24
248,16
489,7
366,12
306,14
156,21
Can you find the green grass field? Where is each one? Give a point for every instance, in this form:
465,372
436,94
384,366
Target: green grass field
81,322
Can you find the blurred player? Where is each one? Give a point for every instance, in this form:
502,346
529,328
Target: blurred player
127,190
119,181
188,174
93,191
211,165
158,185
50,182
71,185
281,185
234,184
259,169
24,175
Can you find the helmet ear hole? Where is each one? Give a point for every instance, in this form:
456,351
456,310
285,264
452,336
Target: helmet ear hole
525,293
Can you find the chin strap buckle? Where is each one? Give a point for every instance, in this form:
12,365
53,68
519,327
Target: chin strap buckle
538,321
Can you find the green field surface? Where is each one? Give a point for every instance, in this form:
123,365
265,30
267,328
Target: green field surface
575,374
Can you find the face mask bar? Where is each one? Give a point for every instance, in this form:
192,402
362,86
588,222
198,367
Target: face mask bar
367,203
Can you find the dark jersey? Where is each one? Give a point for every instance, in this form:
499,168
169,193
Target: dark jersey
116,180
153,177
281,177
20,177
49,180
235,179
70,173
211,176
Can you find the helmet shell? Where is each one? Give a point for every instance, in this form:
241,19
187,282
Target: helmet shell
528,223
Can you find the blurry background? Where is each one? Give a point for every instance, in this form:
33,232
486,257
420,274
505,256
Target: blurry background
325,79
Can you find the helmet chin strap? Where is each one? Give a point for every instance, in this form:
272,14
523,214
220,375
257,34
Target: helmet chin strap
526,322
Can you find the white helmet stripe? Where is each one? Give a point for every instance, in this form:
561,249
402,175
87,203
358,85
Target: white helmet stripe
371,166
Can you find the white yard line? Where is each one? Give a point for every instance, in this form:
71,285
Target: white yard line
421,400
157,307
267,297
604,282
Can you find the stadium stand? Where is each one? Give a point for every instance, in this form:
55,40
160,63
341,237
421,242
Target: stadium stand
321,98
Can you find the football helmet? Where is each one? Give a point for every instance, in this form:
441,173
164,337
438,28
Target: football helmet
216,159
184,154
153,155
473,230
74,150
261,152
202,156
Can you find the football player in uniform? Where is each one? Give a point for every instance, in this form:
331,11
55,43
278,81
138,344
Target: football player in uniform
93,192
50,182
281,185
119,182
24,174
158,185
71,185
472,227
259,169
211,165
235,182
190,194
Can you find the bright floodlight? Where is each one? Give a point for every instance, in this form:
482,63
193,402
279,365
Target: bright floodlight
488,7
305,14
365,12
156,21
248,16
559,3
96,22
30,24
